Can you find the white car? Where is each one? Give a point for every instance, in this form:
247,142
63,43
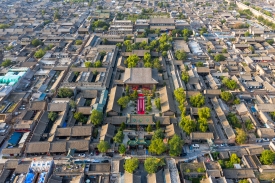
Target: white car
82,155
273,140
265,139
196,145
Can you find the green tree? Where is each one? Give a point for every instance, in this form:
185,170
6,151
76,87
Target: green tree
132,61
241,136
4,26
226,96
158,124
123,101
204,112
267,157
6,63
99,7
52,116
78,42
149,128
243,181
105,41
56,15
39,53
119,45
65,92
219,57
134,95
118,138
252,49
237,101
88,64
203,30
234,121
122,126
96,117
179,95
72,104
122,149
164,54
234,159
127,90
36,42
98,63
151,164
246,34
229,83
157,146
197,100
131,165
249,125
103,146
180,55
270,41
224,50
185,77
203,125
175,145
158,134
79,117
200,170
199,64
157,103
187,124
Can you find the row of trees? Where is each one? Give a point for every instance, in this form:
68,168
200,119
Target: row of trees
151,164
90,64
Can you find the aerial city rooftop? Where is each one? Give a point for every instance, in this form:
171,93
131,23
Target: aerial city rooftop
133,91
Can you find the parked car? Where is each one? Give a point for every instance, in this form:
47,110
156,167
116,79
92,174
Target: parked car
91,154
265,139
82,155
105,161
96,152
231,144
273,140
195,145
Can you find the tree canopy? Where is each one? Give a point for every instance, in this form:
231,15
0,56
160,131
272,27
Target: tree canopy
204,112
175,145
241,136
132,61
180,55
118,138
267,157
123,101
6,63
52,116
96,117
79,117
103,146
122,149
158,134
219,57
131,165
36,42
78,42
179,95
226,96
157,146
185,76
229,83
199,64
65,92
151,164
39,53
197,100
187,124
